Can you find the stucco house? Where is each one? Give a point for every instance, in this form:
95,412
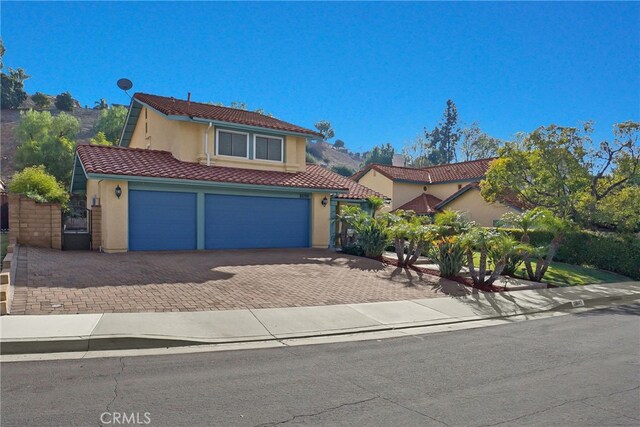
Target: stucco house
192,176
432,189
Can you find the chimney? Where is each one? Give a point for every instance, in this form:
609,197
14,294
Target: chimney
189,104
398,160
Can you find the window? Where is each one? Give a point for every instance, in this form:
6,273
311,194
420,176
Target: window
268,148
232,144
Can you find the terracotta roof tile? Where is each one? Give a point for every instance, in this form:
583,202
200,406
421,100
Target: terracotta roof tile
356,191
473,169
179,107
423,204
161,164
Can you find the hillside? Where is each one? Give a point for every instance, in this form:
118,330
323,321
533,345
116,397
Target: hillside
9,120
329,156
325,153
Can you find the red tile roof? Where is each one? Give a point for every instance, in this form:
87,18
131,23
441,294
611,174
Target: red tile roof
473,169
422,205
179,107
106,160
356,191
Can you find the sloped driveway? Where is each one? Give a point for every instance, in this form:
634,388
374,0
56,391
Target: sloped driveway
57,282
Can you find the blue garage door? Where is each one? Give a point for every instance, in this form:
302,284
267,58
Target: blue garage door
234,222
162,221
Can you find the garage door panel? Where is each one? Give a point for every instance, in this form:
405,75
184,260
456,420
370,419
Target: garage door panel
162,220
234,222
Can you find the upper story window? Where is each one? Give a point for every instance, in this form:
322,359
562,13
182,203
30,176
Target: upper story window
268,148
234,144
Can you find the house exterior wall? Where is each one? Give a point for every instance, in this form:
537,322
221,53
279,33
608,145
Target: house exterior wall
114,220
185,140
114,212
377,182
477,209
320,220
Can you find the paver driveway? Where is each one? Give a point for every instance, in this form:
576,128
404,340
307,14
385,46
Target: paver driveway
50,281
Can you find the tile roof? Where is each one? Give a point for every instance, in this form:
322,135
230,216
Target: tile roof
107,160
356,191
179,107
473,169
423,204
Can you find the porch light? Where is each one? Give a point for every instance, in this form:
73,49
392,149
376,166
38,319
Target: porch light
118,191
325,201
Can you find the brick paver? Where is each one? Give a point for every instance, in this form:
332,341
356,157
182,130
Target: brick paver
50,281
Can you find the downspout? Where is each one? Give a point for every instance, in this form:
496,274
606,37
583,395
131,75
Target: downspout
206,144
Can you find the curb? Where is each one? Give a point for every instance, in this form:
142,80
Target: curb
101,343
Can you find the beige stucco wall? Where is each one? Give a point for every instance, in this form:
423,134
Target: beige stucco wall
185,140
320,220
477,209
115,213
377,182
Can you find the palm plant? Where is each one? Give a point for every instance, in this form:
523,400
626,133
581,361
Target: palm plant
539,219
492,246
410,233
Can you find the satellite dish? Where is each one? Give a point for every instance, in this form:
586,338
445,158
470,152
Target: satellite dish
125,84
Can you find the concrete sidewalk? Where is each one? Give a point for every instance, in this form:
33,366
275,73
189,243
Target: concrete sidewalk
110,331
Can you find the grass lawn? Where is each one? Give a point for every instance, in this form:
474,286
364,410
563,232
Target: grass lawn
561,274
4,241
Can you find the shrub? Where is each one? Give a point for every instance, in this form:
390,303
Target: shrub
41,100
64,102
343,170
612,252
448,253
35,183
373,237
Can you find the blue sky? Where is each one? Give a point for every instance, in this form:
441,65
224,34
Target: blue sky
380,72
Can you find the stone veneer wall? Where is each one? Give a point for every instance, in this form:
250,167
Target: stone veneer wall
35,224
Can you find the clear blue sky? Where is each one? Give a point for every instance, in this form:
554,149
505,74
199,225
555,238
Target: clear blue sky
380,72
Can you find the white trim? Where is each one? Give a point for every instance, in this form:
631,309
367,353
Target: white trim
218,130
255,135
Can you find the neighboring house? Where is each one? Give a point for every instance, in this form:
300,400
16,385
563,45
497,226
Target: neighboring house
432,189
197,176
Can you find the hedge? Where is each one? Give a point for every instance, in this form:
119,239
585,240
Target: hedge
617,253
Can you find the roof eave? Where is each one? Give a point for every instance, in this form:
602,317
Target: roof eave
160,180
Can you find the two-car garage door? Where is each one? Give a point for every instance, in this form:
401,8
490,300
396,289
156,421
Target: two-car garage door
162,220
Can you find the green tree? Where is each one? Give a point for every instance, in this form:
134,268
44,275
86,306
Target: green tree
2,51
47,140
555,168
100,139
342,170
64,102
339,143
476,144
35,183
41,100
110,122
438,145
12,88
381,154
324,127
102,104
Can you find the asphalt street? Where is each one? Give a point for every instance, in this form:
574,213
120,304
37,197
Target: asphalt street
575,370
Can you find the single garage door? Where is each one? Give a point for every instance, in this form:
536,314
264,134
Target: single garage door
235,222
162,220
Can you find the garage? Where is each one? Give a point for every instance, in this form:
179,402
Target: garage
162,220
235,222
